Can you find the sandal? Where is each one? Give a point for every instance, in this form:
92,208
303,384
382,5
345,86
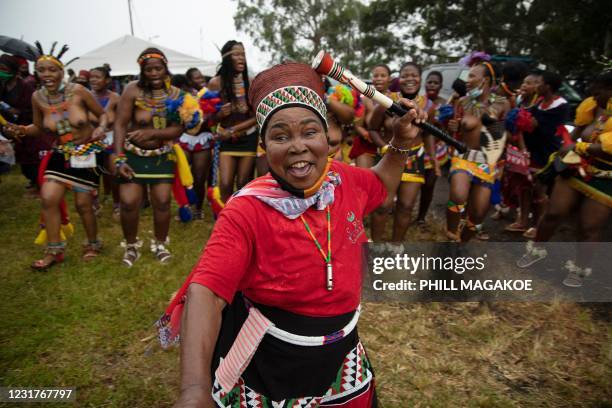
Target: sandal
481,234
160,251
91,250
576,275
530,233
53,255
131,253
532,255
515,227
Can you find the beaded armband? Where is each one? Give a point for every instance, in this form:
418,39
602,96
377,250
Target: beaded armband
119,160
397,149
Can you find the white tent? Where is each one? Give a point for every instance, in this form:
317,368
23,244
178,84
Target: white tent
121,55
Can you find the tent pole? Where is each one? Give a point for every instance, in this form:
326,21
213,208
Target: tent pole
131,23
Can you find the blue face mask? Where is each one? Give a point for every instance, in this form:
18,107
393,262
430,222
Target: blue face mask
476,92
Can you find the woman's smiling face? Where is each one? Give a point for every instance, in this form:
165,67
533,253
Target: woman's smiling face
296,146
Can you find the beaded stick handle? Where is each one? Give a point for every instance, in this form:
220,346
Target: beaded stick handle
324,64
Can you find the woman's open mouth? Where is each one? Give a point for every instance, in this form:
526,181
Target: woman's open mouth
300,169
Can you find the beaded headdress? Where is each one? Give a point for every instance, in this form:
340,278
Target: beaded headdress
289,84
141,60
50,57
479,58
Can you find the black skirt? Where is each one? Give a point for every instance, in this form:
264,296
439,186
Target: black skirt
282,370
83,179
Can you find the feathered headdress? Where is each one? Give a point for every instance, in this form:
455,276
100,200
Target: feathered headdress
56,59
475,57
479,58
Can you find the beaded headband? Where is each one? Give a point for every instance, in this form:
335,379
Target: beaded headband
490,68
230,52
52,59
290,96
145,57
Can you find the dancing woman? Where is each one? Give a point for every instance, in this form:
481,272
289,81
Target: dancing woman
75,163
481,116
258,308
198,147
584,189
517,186
99,82
367,142
414,170
148,122
433,85
238,128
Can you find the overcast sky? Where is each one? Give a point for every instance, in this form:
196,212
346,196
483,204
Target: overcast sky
194,27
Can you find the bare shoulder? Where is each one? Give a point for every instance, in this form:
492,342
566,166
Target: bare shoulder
502,105
78,89
38,98
113,96
131,89
215,84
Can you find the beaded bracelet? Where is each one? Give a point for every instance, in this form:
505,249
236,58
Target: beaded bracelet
581,148
397,149
120,160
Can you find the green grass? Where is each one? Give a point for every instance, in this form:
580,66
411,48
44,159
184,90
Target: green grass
83,324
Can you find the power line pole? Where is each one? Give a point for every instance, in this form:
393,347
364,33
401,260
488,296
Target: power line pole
131,23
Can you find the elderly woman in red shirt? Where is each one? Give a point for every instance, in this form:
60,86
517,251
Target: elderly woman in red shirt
269,313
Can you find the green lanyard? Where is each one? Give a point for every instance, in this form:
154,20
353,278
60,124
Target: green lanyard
326,258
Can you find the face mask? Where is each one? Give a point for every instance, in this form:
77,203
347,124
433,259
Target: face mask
519,99
6,76
476,92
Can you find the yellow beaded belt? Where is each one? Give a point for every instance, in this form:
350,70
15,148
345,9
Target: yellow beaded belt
132,148
70,149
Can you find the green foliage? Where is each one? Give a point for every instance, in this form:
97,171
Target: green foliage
297,30
568,36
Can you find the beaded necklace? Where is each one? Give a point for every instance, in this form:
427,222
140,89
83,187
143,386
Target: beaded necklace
62,124
156,104
476,107
326,258
241,105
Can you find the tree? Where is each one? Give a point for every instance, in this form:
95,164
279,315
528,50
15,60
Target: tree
568,36
298,29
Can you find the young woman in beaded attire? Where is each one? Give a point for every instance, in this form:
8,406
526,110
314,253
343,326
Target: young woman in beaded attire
480,113
99,82
433,85
144,135
238,129
63,110
413,177
197,148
